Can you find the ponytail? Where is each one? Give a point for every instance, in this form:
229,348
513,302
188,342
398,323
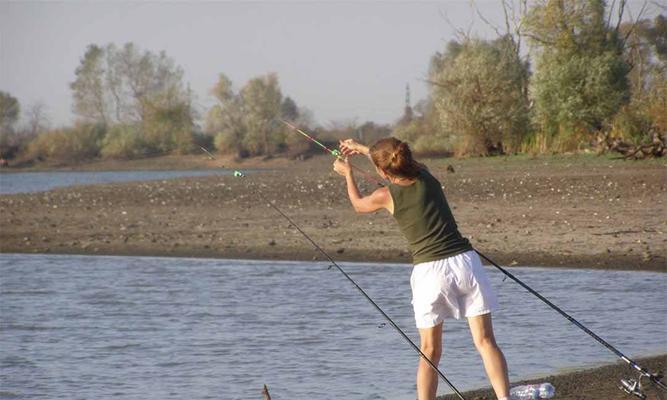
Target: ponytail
395,158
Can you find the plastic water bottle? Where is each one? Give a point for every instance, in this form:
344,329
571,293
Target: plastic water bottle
533,392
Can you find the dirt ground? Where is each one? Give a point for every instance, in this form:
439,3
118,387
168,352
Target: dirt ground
576,211
592,384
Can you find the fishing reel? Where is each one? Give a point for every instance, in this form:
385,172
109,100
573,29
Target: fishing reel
634,387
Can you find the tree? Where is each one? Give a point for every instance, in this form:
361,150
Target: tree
115,85
148,79
262,105
225,120
478,95
129,86
289,110
645,51
424,131
657,96
9,113
37,119
581,77
248,122
168,127
657,37
88,89
370,132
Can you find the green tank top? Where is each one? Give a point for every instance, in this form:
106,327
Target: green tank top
425,219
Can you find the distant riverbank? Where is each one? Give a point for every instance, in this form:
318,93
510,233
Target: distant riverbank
577,211
157,163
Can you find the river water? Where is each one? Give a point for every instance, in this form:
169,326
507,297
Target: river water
85,327
22,182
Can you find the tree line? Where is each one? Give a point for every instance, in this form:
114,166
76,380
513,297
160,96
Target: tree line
133,103
590,76
593,77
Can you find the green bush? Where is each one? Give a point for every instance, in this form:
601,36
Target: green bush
631,124
409,132
425,136
123,142
168,128
225,142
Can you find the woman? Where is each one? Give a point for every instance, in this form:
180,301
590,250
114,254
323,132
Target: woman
448,279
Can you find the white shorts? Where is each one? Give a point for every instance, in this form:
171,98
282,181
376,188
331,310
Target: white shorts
452,287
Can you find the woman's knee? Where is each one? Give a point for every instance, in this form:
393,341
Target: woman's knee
485,342
432,350
431,342
481,328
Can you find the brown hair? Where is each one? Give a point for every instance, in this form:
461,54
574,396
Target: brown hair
395,158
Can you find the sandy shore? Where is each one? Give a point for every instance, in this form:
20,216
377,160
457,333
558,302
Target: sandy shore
573,211
591,384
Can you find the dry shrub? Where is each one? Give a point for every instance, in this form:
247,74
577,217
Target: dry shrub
432,146
66,145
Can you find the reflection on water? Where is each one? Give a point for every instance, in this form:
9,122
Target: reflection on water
23,182
169,328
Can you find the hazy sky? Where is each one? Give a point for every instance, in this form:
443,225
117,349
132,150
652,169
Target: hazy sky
342,60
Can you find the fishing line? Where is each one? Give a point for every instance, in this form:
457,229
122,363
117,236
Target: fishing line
336,153
655,378
240,174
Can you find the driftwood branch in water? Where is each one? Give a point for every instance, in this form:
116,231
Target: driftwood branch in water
656,148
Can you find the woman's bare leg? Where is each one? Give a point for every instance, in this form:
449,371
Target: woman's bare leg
431,346
481,327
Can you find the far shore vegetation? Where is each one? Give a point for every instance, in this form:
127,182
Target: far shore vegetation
562,77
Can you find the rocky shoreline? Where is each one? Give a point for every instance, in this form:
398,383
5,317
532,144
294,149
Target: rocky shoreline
589,384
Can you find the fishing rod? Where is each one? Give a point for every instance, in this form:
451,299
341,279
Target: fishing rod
240,174
631,386
334,152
